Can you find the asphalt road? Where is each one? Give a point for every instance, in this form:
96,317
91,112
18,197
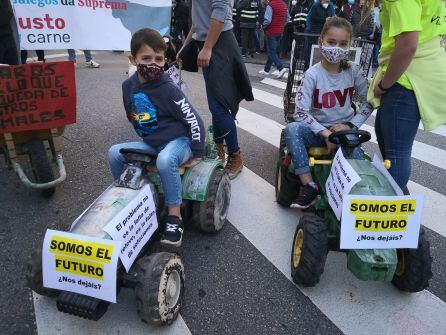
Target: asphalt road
238,281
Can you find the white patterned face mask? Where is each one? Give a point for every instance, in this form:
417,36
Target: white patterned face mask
334,55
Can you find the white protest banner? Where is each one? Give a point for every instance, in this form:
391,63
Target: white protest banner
134,225
340,181
80,264
87,24
380,166
380,222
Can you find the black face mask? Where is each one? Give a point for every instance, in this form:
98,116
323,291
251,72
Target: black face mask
150,72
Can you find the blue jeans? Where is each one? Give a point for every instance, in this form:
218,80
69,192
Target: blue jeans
170,157
396,125
272,42
298,138
72,55
223,122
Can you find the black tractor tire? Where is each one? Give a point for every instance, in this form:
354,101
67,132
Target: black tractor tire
41,165
309,252
160,288
414,268
287,185
34,276
209,215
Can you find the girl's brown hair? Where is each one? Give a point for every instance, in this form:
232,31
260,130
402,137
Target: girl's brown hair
338,22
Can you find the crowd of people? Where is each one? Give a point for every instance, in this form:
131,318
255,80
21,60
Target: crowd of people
251,22
408,85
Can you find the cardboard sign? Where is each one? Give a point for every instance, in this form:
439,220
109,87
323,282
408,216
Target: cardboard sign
380,222
340,181
37,96
134,225
174,74
80,264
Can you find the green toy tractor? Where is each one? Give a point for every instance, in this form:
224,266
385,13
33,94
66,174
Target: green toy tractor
318,230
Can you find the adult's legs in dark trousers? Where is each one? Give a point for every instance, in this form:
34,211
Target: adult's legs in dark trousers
40,55
223,122
8,50
247,41
272,42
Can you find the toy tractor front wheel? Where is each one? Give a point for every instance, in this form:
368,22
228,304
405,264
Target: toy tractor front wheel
413,270
160,288
34,276
309,251
210,215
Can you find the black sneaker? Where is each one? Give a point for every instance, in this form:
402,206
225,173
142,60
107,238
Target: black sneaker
173,232
307,196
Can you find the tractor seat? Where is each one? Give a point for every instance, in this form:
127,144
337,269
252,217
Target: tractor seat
138,155
317,152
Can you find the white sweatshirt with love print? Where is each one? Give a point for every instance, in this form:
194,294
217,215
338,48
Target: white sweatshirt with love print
324,99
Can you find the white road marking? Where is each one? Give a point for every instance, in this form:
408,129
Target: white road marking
274,82
434,213
421,151
356,307
121,318
441,130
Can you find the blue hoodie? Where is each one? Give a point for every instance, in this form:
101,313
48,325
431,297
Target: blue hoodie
160,113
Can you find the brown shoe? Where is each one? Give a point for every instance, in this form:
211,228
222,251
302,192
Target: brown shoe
234,165
221,151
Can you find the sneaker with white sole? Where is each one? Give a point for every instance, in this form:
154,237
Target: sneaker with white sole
263,73
275,73
92,64
306,198
173,232
281,73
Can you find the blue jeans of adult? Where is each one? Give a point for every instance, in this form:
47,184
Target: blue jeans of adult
272,42
298,137
396,126
72,55
225,129
170,157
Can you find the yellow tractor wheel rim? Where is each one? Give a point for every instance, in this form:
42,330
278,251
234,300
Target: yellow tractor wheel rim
401,265
297,248
279,179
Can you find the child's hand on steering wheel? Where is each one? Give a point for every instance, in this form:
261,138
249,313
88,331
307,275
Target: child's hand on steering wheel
339,127
191,162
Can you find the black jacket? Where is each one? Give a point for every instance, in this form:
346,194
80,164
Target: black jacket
160,113
180,14
6,15
228,79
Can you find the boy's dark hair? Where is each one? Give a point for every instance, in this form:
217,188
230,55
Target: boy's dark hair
338,22
147,36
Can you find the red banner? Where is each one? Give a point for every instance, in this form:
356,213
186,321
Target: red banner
37,96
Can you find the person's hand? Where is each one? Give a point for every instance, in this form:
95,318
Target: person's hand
204,57
191,162
377,92
339,127
257,24
331,147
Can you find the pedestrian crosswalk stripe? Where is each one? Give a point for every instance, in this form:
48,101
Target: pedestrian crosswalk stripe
121,318
421,151
273,82
434,215
356,307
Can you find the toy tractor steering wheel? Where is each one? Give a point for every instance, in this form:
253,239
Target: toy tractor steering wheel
349,138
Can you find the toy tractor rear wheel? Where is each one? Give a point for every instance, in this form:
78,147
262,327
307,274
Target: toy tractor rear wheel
41,165
34,276
310,247
413,270
160,287
287,185
210,215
